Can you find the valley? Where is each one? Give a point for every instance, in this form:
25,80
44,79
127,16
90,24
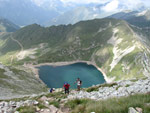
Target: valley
117,49
111,55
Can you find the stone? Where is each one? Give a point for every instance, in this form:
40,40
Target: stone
37,109
43,98
53,109
36,102
42,110
132,110
46,111
46,102
28,102
139,110
10,110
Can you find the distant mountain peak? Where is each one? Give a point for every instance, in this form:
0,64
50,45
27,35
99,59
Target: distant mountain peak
143,13
7,26
137,18
127,11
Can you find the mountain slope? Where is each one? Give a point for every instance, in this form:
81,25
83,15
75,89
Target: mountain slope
7,26
140,19
15,83
111,44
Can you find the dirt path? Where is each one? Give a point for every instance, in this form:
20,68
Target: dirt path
17,43
21,46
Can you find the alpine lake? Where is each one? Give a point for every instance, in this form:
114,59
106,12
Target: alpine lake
56,76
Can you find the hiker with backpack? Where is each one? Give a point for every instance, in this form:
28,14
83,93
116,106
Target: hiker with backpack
79,83
66,87
51,90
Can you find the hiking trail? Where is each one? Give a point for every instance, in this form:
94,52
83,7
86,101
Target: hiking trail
21,46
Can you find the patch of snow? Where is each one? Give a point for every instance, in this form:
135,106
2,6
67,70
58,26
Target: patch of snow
26,53
113,40
118,53
43,45
142,13
103,29
127,11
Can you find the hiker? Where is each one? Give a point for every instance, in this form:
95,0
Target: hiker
51,90
79,83
66,87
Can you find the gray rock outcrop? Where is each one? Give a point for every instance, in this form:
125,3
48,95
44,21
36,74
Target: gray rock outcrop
120,89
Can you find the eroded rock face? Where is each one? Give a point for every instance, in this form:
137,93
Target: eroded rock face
122,88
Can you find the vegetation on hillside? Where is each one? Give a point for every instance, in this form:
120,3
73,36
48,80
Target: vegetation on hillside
113,105
85,40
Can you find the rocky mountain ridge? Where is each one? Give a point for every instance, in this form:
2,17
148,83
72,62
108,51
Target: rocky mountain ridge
118,89
136,18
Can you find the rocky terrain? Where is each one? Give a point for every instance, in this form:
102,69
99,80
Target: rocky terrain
9,107
55,103
41,104
140,19
118,89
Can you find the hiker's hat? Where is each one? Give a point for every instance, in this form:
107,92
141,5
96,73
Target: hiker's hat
66,83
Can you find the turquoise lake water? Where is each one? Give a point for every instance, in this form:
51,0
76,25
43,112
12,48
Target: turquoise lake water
56,76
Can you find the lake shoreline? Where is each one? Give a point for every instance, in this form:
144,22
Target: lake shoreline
36,71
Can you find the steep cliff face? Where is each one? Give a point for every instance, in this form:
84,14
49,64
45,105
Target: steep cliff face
119,49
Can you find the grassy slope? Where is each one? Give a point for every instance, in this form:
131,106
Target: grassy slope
80,41
20,82
111,105
114,105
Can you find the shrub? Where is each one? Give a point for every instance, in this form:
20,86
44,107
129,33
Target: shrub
102,85
27,109
55,103
73,103
92,89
